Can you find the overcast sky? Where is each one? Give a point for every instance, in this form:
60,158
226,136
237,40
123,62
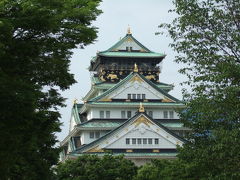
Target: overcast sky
143,17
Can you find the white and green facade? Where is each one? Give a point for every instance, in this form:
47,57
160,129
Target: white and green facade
128,109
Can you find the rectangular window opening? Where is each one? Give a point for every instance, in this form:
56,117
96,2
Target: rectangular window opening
165,114
150,113
138,96
129,114
133,141
102,114
171,114
134,96
91,135
123,114
156,141
107,114
97,134
127,141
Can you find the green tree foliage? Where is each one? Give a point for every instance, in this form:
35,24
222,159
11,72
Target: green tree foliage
36,38
92,167
206,35
164,169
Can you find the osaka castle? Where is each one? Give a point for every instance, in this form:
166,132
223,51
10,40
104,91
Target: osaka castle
128,110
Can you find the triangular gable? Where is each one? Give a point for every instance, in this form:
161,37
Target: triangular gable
135,83
139,126
128,41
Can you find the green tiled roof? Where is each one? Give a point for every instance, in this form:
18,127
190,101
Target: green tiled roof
132,154
136,103
172,124
75,112
128,36
101,123
131,54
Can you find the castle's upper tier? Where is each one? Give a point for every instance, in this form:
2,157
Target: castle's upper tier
118,61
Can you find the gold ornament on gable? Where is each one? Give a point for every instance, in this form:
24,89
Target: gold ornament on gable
136,78
141,120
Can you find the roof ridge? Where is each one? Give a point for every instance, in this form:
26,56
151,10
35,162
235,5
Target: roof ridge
125,38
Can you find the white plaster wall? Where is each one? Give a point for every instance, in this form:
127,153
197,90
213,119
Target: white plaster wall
121,142
115,113
129,44
136,88
90,114
85,136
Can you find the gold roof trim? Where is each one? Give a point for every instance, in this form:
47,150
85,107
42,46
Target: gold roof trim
142,120
167,100
95,149
136,78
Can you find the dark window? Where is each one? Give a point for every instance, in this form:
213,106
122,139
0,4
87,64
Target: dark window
150,113
133,141
77,141
123,114
139,141
144,140
171,114
102,114
134,96
138,96
127,48
127,141
130,48
165,114
97,134
91,135
129,96
129,114
149,141
143,96
156,141
107,114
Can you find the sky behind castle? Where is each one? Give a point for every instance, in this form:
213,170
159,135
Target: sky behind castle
143,17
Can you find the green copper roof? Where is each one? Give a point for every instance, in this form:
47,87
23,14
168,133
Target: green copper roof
131,54
131,154
128,38
101,123
113,123
136,103
75,110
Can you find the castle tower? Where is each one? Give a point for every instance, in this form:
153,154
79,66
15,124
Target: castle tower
127,110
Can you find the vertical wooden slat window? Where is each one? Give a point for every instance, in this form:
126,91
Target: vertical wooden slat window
123,114
107,114
101,114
